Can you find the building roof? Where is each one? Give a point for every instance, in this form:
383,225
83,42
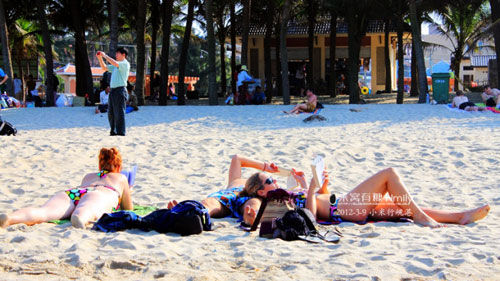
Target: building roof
69,70
482,60
322,27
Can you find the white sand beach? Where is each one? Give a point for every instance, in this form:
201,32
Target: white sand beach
448,160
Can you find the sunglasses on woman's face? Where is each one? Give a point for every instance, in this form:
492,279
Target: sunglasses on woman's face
269,180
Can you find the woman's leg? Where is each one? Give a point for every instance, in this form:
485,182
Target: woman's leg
57,207
361,202
92,206
387,210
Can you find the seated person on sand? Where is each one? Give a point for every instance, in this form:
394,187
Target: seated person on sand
368,201
491,96
460,101
132,100
241,199
103,100
308,106
99,193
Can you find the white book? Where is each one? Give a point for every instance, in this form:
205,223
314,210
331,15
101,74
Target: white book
318,167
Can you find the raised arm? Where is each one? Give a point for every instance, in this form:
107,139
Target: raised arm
101,62
238,162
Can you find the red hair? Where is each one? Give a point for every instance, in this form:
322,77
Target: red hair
110,160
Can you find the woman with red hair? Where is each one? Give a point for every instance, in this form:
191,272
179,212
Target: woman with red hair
98,193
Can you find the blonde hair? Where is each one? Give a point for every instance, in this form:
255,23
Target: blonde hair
252,185
110,160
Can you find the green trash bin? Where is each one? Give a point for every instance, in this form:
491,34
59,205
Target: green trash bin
441,87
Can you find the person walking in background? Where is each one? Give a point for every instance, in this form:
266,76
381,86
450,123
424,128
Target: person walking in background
18,89
120,69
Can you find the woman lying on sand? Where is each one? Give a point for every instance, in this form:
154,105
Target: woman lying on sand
368,201
241,198
98,194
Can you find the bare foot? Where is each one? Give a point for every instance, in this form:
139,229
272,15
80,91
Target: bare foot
425,220
472,215
171,204
77,221
4,220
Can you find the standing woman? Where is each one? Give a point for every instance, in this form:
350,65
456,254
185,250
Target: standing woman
98,193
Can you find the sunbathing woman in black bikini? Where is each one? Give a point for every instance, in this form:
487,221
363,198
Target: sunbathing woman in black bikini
98,194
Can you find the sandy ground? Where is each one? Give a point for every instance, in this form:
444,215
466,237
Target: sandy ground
448,160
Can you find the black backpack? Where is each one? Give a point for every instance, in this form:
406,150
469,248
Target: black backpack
300,224
186,218
6,129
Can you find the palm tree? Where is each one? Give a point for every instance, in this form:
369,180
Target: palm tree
357,21
233,46
419,53
5,48
495,17
285,16
312,11
222,28
113,26
334,8
167,10
270,11
181,99
245,31
155,18
47,47
465,23
387,60
212,93
141,50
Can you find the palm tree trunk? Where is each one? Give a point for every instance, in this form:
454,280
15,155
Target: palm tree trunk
332,83
285,15
212,83
414,72
47,48
495,16
84,84
181,93
222,43
245,31
311,22
388,82
419,53
113,27
267,52
401,69
155,6
167,10
233,48
455,65
141,50
7,61
356,22
279,81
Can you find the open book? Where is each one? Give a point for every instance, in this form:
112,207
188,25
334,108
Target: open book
130,174
318,167
291,183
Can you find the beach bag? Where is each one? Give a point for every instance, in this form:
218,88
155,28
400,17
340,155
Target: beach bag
186,218
6,129
275,205
300,224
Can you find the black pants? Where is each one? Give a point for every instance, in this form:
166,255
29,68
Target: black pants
116,110
491,102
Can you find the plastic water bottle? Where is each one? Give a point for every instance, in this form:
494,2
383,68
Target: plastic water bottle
427,98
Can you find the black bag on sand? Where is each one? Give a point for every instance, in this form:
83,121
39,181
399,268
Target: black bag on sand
6,129
186,218
300,224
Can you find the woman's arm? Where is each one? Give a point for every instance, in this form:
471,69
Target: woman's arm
126,203
251,208
311,194
238,162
